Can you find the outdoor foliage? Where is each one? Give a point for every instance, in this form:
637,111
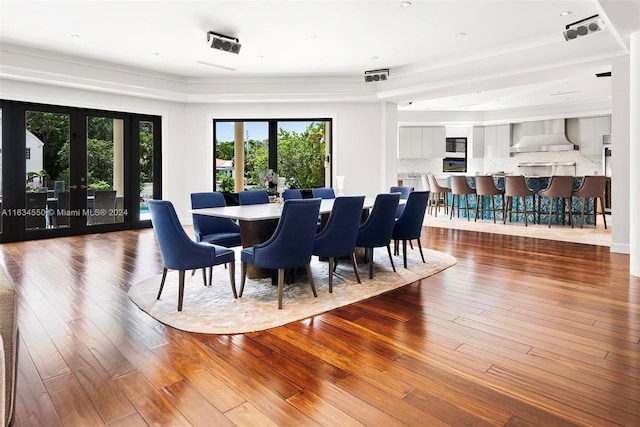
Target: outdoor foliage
300,157
53,130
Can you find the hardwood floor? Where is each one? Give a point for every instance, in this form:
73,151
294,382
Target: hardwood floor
519,332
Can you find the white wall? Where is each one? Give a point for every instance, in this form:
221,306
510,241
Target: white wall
620,158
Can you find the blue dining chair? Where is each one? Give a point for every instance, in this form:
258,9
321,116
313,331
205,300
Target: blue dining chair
181,253
338,237
376,230
290,245
323,193
292,193
253,197
404,195
409,225
210,229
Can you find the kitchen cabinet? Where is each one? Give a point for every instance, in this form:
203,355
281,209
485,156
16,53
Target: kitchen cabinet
439,143
497,141
592,130
477,144
421,142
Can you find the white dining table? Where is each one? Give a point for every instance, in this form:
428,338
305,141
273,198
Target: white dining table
265,211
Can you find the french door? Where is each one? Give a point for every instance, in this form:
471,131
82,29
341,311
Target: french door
75,171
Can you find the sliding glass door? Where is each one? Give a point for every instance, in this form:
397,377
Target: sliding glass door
74,171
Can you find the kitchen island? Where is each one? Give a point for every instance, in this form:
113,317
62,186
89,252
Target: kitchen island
535,183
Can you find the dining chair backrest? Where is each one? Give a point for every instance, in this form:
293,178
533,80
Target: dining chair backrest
210,226
424,178
376,230
460,185
486,186
36,202
253,197
404,194
338,237
592,186
435,187
323,193
104,204
409,225
292,193
291,244
403,190
178,251
559,186
516,185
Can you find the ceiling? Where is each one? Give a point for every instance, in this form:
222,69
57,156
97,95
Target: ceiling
442,55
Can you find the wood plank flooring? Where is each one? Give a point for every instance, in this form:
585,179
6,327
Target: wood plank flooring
520,332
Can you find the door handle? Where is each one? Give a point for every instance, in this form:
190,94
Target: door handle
75,187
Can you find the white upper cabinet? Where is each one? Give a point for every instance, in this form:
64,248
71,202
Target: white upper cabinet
497,141
439,141
421,142
591,131
477,144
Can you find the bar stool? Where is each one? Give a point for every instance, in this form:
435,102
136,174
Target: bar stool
460,187
439,193
560,187
516,186
592,186
485,186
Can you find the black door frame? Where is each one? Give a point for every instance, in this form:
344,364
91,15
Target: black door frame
14,169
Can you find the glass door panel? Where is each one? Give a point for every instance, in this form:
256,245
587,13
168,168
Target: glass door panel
146,138
47,170
105,170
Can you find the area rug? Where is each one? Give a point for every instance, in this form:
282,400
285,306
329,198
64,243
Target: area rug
213,310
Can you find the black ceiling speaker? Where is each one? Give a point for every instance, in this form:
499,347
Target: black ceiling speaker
376,75
222,42
604,74
583,27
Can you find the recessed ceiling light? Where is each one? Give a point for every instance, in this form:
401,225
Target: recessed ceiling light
405,4
461,35
565,13
155,53
374,58
75,36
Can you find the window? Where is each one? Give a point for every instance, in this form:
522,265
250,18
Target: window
298,150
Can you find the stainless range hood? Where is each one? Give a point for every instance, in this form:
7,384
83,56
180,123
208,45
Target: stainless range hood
543,135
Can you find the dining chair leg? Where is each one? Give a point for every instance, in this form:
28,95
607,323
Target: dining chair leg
331,264
391,258
310,278
232,277
404,252
243,274
280,287
164,277
180,289
584,201
204,275
595,209
210,275
369,254
421,254
354,262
